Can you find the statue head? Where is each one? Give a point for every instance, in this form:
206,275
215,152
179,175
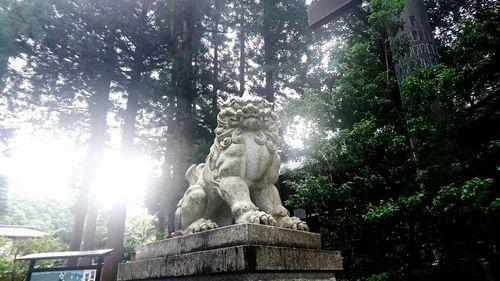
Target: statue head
248,113
240,114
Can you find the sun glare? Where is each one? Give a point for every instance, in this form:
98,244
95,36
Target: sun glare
297,132
42,165
49,166
121,178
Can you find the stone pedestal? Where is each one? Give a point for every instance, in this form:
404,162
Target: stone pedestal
236,252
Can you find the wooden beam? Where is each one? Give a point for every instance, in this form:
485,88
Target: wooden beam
323,11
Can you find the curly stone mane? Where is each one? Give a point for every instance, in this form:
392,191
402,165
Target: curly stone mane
228,129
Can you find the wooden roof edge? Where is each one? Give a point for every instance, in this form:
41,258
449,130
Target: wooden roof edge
66,254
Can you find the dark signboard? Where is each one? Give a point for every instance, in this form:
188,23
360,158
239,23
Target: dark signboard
83,274
78,273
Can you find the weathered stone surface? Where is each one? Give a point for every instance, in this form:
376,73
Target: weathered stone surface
236,183
247,258
233,235
258,276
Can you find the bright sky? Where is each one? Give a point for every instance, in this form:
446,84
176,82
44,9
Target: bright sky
42,165
48,166
45,162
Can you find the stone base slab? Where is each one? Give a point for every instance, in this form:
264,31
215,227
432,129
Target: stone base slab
257,276
236,252
233,235
248,258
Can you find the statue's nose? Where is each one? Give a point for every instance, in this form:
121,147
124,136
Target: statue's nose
250,109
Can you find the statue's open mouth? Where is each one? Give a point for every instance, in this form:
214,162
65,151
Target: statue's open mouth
251,117
252,122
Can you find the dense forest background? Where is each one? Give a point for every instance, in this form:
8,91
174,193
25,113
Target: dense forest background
403,179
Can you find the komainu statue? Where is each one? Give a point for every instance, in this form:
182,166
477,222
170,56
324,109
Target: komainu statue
236,182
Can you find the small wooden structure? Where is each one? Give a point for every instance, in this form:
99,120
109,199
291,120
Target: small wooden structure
76,273
19,232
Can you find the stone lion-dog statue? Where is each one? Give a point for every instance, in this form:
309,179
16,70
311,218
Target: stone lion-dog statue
236,182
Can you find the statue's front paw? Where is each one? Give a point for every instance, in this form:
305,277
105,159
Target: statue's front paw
293,223
201,225
257,217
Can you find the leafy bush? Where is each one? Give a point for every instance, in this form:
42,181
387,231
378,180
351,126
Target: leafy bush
9,249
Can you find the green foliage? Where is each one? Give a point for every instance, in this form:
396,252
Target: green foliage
405,183
15,17
383,15
311,192
461,201
403,180
382,212
447,16
46,215
138,231
384,276
494,207
10,249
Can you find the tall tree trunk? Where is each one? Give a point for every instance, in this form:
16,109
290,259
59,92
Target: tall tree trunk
88,239
180,140
98,112
116,227
269,61
4,62
215,37
241,39
106,69
115,240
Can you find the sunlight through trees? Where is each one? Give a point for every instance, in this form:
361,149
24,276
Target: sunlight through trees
104,104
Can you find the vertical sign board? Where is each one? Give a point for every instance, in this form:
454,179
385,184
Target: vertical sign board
421,51
74,273
323,11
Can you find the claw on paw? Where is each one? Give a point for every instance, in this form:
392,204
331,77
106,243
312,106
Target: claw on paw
256,217
201,225
292,223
